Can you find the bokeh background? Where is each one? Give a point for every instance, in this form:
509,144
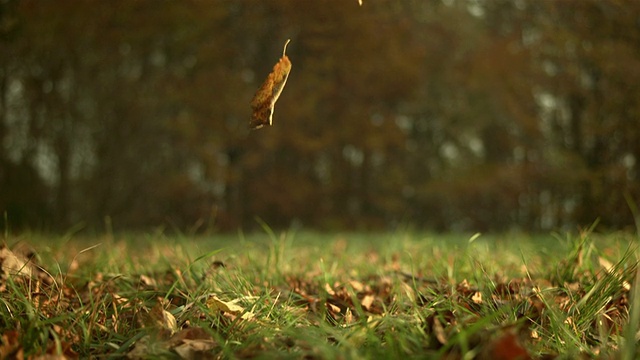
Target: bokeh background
439,114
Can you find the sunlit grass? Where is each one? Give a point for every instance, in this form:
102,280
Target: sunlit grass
348,295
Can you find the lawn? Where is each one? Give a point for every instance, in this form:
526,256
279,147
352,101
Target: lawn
320,296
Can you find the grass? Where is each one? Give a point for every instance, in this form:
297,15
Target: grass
325,296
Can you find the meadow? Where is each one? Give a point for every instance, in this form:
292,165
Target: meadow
305,295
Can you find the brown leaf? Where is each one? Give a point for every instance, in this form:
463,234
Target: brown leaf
148,281
13,264
611,269
189,343
10,347
438,331
266,97
163,319
192,343
477,297
506,347
367,301
229,307
21,265
333,308
216,304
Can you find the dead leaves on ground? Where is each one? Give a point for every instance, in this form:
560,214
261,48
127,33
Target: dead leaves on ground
188,343
20,262
187,326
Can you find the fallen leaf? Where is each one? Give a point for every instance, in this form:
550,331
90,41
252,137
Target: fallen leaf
477,297
191,343
215,304
141,349
163,319
148,281
333,308
191,349
611,269
506,347
265,98
10,347
367,301
13,264
357,285
348,317
438,331
21,264
329,290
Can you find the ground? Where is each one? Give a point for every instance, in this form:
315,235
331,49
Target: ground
320,296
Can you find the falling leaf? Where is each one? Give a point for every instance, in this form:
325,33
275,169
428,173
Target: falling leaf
266,97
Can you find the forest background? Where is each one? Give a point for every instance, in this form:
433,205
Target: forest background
445,115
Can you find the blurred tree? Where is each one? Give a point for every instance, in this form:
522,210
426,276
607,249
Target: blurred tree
586,55
448,114
23,194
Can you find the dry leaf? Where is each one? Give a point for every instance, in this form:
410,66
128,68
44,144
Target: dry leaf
216,304
611,269
10,347
163,319
266,97
20,264
477,297
334,310
506,347
438,331
148,281
192,343
329,290
12,264
367,301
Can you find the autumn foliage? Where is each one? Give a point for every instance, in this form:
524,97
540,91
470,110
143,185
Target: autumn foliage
447,115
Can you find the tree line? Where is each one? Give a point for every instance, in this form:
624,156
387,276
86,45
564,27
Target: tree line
445,115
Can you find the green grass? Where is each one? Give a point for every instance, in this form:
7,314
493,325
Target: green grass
325,296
